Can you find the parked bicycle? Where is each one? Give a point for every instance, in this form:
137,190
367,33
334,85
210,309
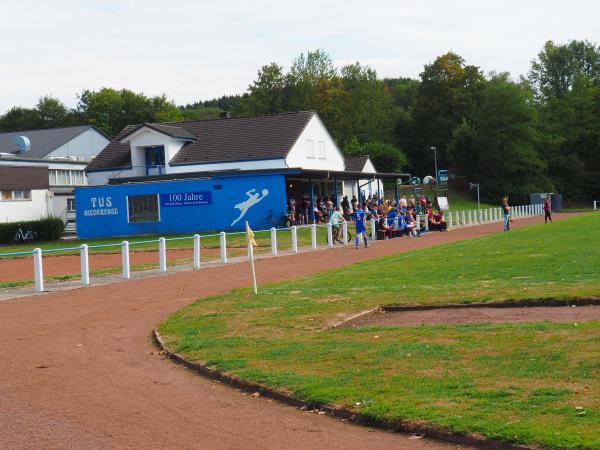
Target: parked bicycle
274,221
25,236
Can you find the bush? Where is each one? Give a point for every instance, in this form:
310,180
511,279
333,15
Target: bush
47,229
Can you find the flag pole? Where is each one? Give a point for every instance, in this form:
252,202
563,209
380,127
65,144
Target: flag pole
251,258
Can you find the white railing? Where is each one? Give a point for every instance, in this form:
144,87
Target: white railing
458,219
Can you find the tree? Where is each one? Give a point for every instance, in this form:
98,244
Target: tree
20,119
497,146
570,130
448,93
110,110
266,93
53,113
554,71
385,157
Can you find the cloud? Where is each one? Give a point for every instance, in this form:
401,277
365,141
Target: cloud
193,50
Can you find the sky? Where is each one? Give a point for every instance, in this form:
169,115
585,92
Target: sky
198,50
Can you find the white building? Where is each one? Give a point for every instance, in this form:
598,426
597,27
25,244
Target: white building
61,155
296,140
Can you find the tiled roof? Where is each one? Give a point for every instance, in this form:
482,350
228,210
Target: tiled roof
169,130
23,177
217,140
355,163
43,142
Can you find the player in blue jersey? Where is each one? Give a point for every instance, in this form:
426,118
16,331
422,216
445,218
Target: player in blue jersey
361,225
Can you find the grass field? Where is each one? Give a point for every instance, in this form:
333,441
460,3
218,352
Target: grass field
536,383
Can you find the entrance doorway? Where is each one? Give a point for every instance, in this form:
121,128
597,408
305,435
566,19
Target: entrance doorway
155,160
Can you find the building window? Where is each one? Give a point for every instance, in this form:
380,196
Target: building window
310,149
67,177
70,204
16,195
143,208
321,150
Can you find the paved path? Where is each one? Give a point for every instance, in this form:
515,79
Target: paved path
78,368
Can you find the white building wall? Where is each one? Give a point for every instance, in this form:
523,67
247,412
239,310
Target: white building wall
237,165
36,208
315,149
86,145
148,138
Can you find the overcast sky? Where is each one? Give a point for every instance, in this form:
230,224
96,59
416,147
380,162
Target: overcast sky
191,50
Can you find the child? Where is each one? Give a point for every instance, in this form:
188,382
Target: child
361,225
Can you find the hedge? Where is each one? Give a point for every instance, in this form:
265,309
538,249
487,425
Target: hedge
45,229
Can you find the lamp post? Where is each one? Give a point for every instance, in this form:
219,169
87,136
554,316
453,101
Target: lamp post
471,186
435,162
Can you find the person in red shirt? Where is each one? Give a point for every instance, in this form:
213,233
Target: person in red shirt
547,210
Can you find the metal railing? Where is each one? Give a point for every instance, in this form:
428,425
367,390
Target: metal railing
456,219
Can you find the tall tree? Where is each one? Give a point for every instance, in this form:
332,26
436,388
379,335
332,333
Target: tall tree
557,66
111,110
497,146
448,93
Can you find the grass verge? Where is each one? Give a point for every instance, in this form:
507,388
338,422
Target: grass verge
528,383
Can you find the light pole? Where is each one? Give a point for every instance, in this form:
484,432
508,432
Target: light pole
435,162
471,186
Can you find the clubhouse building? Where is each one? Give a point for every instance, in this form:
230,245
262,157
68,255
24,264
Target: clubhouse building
159,178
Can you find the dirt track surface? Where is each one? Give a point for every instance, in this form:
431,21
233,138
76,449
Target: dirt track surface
447,316
78,368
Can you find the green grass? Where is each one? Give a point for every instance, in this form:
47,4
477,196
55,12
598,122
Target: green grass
459,200
535,383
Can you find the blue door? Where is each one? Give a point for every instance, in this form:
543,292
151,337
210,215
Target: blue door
155,160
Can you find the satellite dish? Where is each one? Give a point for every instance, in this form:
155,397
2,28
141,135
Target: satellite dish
429,180
23,143
415,180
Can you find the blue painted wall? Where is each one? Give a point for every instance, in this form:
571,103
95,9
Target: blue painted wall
212,204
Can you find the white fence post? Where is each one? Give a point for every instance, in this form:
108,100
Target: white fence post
480,216
426,221
418,227
196,251
396,223
462,216
125,260
223,245
38,270
162,254
470,217
329,234
273,241
595,208
485,215
457,219
373,230
85,264
294,239
313,236
450,219
345,232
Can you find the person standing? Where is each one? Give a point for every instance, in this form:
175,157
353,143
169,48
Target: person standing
361,225
336,220
547,210
506,213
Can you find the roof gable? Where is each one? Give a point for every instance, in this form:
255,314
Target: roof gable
43,142
216,140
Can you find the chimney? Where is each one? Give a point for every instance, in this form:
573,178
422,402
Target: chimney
224,115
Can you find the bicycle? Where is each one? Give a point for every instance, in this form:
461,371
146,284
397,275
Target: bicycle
340,236
274,221
25,236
